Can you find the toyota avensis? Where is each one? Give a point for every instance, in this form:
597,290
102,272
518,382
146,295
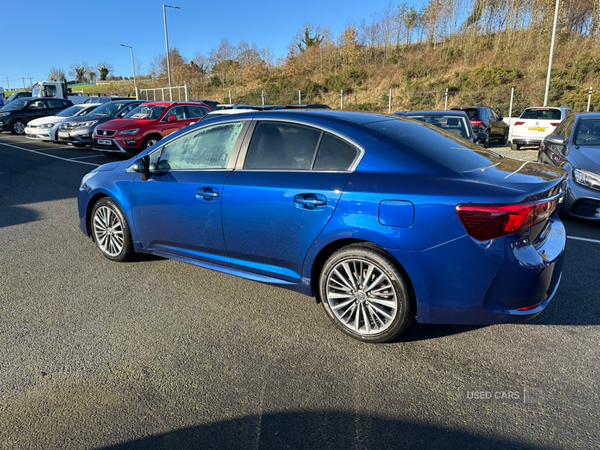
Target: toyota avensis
384,219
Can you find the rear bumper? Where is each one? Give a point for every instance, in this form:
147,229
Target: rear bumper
482,283
526,141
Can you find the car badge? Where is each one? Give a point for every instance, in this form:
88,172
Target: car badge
537,123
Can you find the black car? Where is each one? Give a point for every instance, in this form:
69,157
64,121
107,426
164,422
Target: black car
485,119
310,106
212,103
78,130
455,122
15,116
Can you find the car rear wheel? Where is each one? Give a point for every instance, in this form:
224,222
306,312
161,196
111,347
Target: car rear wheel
486,143
515,146
110,231
17,127
365,295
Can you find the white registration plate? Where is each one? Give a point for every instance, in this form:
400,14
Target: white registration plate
104,142
63,135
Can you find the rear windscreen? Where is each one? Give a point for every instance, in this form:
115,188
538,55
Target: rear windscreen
441,146
541,114
471,112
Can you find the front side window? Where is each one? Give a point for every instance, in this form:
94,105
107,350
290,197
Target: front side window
282,146
207,148
178,111
38,104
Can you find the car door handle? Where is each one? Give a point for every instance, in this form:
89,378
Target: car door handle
207,193
310,201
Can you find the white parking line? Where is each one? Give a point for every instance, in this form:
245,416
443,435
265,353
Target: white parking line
82,157
596,241
49,156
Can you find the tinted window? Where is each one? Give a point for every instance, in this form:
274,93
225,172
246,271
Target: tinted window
471,112
207,148
457,154
334,154
541,114
56,104
197,111
588,132
278,145
455,125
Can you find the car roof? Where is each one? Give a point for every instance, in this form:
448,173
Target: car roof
161,103
436,112
353,117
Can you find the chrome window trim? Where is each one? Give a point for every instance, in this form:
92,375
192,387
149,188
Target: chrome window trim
322,128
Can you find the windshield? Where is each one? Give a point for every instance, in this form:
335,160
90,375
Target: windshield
453,124
146,112
541,114
88,110
588,132
17,104
69,112
109,109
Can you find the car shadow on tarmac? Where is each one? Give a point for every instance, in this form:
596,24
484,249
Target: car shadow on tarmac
318,430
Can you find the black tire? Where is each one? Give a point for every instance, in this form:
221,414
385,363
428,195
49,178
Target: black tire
362,300
17,127
504,139
150,141
515,146
110,231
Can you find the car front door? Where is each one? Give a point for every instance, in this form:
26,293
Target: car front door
37,109
280,197
177,207
183,120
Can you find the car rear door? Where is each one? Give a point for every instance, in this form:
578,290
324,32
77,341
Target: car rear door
282,194
177,207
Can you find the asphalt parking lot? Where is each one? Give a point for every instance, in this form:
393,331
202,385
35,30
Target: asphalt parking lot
161,354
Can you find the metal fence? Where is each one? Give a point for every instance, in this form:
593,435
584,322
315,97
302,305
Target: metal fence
507,102
174,93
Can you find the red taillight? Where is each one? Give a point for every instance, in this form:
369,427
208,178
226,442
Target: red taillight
519,123
476,122
485,222
527,308
555,124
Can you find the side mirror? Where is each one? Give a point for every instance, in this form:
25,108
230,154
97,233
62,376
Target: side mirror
500,118
557,139
171,119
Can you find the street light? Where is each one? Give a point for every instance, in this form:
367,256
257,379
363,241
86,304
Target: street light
167,41
133,67
551,54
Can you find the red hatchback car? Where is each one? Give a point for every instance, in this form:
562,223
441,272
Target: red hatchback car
145,125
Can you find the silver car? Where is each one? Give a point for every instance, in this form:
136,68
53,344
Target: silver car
46,128
575,146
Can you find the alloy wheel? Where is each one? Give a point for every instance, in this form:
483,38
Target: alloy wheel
361,296
108,231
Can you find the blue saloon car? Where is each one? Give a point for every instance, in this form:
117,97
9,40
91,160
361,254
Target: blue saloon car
383,219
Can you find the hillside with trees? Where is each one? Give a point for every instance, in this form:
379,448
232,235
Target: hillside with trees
477,49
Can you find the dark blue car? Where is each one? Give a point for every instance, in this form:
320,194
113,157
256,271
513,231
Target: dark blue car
383,219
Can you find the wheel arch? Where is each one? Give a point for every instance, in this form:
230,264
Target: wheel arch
88,213
334,246
150,135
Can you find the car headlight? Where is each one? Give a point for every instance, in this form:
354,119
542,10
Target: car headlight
86,178
47,125
130,131
87,124
586,179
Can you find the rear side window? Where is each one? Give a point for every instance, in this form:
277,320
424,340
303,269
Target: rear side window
196,111
541,114
334,154
282,146
56,104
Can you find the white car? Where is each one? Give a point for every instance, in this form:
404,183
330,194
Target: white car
45,128
226,106
535,124
221,112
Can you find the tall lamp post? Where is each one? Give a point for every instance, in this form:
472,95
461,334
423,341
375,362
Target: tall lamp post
167,41
133,67
551,54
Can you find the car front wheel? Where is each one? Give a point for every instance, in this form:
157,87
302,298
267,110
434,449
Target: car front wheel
17,127
365,295
110,231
